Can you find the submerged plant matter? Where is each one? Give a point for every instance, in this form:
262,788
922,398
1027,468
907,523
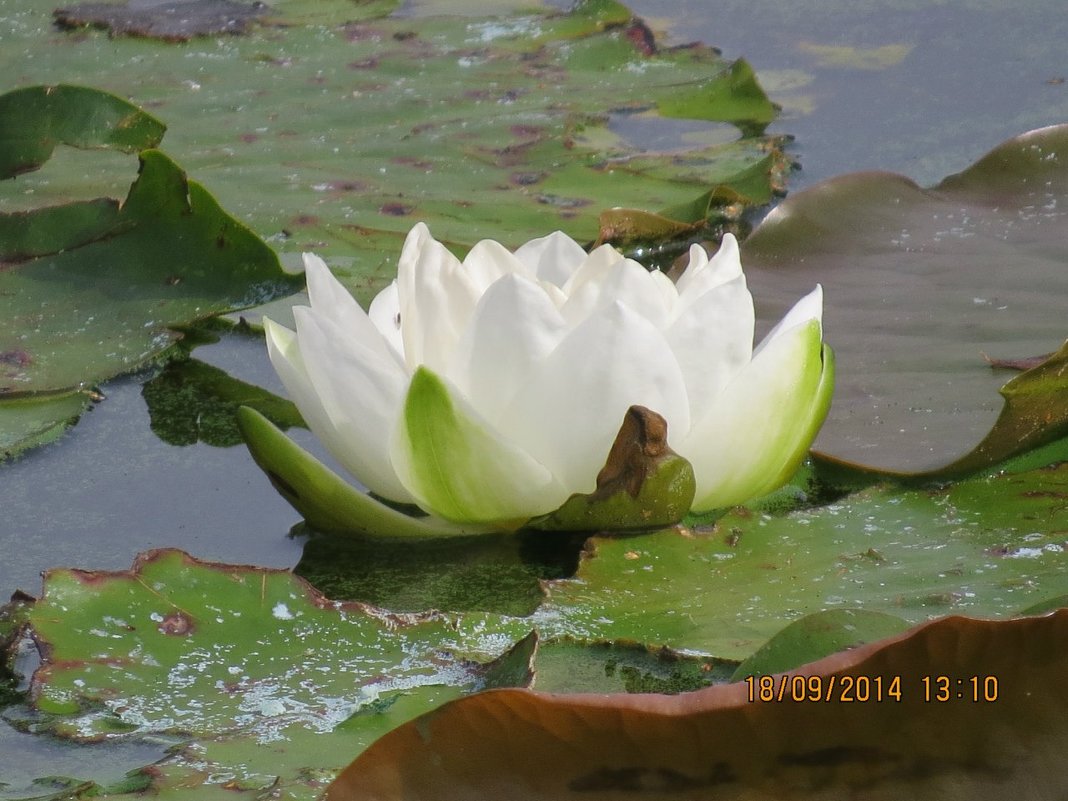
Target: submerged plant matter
490,390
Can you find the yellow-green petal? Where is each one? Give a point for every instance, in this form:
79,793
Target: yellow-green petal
457,466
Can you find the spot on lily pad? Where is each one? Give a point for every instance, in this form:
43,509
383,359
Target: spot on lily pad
174,21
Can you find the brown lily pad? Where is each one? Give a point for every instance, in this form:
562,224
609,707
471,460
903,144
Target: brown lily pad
919,282
956,708
169,20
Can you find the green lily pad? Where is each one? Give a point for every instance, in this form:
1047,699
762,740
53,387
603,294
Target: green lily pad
816,636
186,647
921,283
171,256
37,118
490,574
981,547
96,289
567,665
378,121
28,422
297,764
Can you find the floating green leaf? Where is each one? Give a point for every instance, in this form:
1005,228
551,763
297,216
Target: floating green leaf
379,122
28,422
94,289
982,547
35,119
922,283
566,665
490,574
181,646
171,256
816,636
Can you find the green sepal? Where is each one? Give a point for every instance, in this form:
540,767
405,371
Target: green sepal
327,502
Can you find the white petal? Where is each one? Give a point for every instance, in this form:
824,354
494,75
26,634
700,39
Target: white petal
593,268
460,468
284,351
552,258
489,261
573,405
330,299
361,391
437,298
703,274
810,307
667,289
712,339
761,424
626,282
514,327
385,314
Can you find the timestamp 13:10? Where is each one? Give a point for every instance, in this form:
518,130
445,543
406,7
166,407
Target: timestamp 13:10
866,689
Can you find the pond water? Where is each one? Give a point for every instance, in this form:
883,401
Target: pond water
920,88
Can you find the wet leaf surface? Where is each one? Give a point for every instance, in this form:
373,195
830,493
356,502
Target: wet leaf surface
186,647
170,256
30,422
37,118
716,743
816,636
985,547
175,21
922,282
82,304
567,665
490,574
379,120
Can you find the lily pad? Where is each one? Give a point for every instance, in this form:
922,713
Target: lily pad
170,255
921,283
378,121
981,547
37,118
186,647
957,708
28,422
94,289
173,21
816,636
489,574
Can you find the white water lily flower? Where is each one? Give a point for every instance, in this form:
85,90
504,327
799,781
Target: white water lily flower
490,390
